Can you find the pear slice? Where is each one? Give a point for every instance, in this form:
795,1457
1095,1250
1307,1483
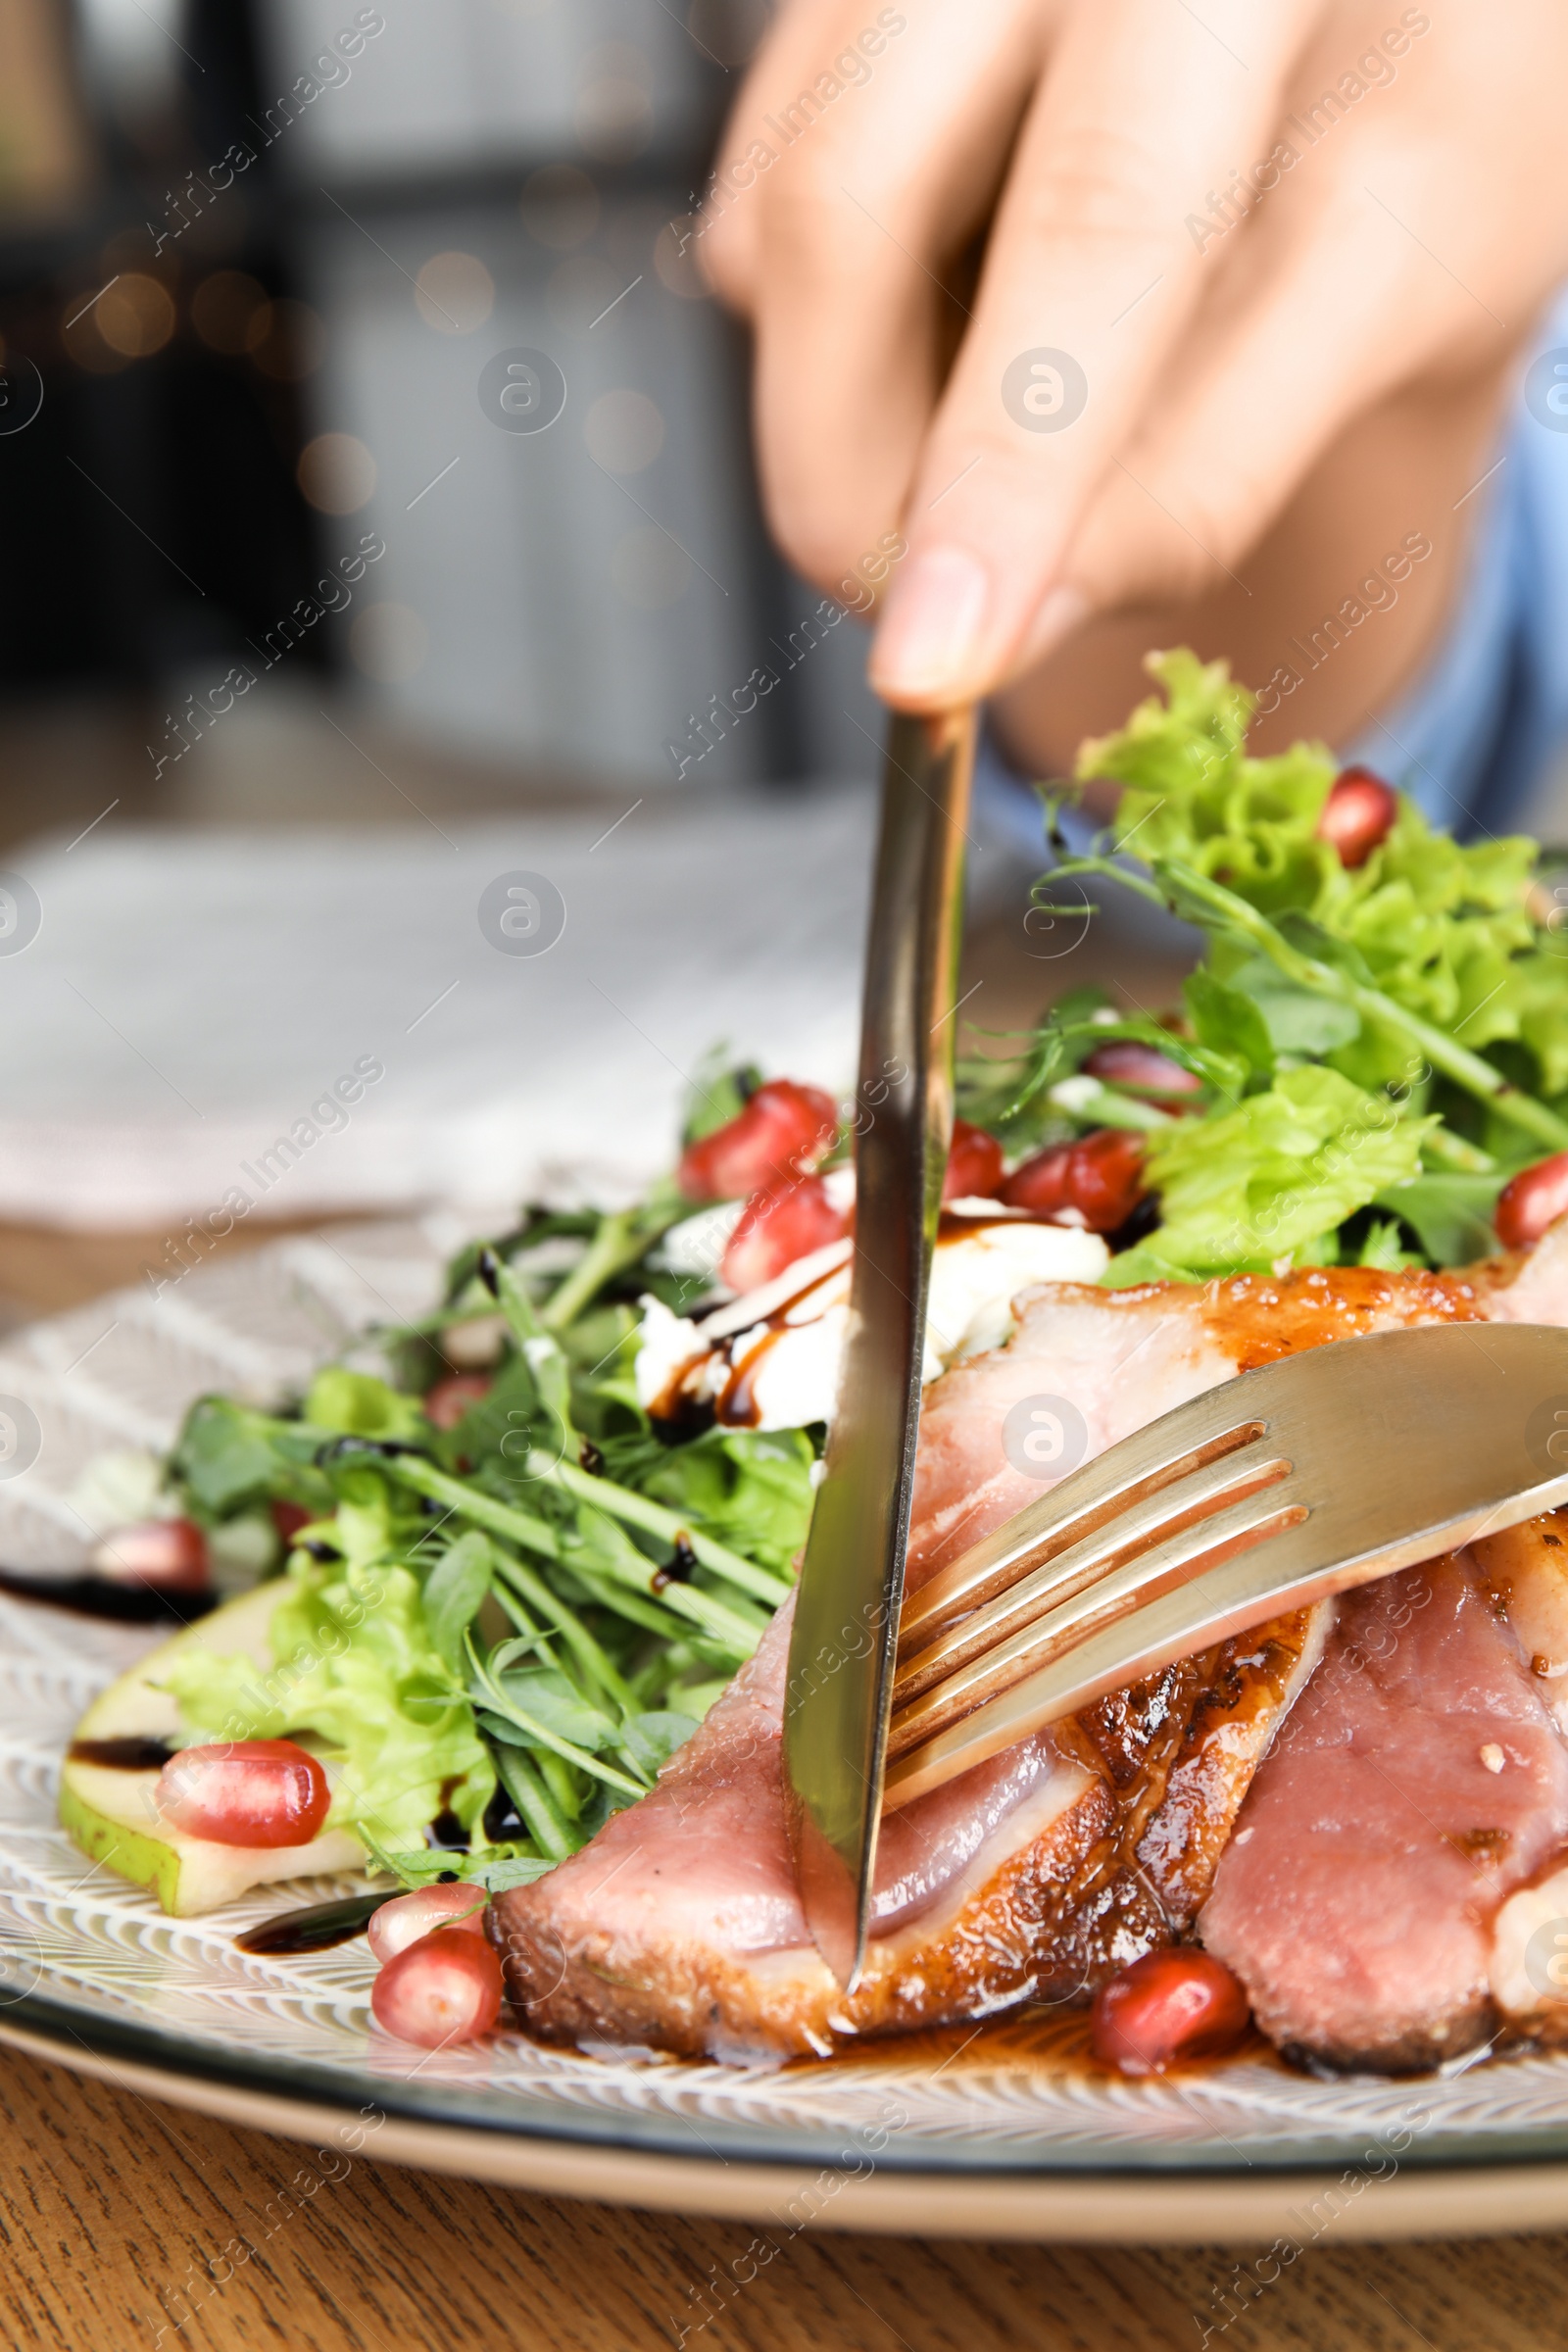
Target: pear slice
110,1812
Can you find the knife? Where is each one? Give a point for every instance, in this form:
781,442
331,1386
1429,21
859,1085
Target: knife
838,1690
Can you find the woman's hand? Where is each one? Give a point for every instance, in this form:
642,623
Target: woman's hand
1228,246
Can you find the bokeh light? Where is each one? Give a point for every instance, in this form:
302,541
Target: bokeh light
455,293
336,473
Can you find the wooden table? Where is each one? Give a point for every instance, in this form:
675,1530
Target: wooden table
115,2214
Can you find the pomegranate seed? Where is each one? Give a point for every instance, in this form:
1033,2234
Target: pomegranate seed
446,1988
1125,1063
1165,2007
974,1165
784,1130
1533,1199
168,1554
289,1517
446,1404
1096,1182
1357,815
778,1227
408,1917
244,1792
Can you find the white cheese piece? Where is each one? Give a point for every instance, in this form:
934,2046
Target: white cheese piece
1074,1094
795,1378
667,1343
776,1351
696,1244
975,1280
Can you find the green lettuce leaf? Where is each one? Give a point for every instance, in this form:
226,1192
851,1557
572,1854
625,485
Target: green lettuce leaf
359,1405
1272,1179
356,1666
1441,927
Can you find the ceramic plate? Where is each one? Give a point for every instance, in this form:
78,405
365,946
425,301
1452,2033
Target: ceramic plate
1004,2131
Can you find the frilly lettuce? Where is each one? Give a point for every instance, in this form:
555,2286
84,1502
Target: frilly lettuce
358,1668
1271,1180
1440,926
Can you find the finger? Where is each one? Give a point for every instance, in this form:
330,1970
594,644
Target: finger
1091,279
863,210
1212,470
803,37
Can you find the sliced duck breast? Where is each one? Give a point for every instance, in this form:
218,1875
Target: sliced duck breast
679,1927
1032,1878
1117,1360
1525,1572
1420,1779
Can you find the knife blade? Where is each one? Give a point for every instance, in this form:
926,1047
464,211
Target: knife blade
838,1682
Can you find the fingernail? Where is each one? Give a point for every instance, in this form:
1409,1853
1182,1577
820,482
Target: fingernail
1062,612
930,634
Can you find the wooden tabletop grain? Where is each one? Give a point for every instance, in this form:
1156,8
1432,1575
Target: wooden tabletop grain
130,2227
128,2224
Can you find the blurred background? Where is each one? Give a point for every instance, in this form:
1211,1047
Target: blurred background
378,520
259,252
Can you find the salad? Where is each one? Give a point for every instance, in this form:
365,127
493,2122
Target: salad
513,1560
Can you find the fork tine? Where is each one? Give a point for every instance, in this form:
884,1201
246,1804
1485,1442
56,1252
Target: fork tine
1182,1441
1190,1619
1172,1505
1405,1443
1066,1632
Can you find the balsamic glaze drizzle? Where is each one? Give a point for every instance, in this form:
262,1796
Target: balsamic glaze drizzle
313,1929
129,1754
88,1596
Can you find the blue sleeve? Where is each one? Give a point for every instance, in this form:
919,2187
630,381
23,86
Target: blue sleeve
1475,735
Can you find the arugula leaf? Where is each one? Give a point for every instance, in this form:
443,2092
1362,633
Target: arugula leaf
495,1869
748,1488
544,1692
505,1426
229,1454
454,1592
652,1739
1449,1212
1228,1021
1297,1021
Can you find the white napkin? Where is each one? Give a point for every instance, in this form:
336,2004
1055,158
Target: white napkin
190,995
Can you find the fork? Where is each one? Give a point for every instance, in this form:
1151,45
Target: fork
1299,1480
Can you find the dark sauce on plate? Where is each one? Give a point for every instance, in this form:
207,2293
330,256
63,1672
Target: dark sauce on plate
315,1928
447,1833
1045,2039
130,1754
86,1594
